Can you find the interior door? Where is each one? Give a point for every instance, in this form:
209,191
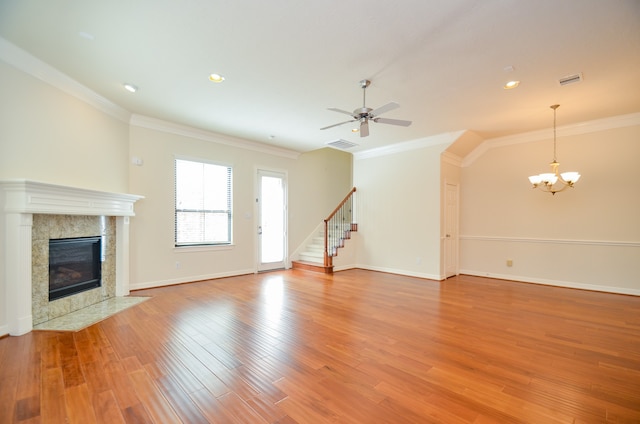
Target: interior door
272,220
451,230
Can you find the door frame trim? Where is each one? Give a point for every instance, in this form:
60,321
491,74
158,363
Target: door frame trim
256,215
457,226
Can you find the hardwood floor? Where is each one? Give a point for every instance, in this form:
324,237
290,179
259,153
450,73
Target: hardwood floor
353,347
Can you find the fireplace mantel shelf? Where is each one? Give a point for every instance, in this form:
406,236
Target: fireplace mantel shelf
19,201
25,196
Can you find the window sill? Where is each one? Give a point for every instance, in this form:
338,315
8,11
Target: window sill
202,248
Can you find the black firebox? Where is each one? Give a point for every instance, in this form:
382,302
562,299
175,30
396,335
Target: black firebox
74,265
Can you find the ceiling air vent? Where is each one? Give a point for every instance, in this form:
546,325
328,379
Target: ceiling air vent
570,79
341,144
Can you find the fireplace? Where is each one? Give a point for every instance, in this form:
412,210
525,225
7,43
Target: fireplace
74,265
32,213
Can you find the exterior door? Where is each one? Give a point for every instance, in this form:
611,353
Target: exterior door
272,220
451,230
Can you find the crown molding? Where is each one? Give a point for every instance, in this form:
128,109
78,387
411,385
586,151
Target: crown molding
451,158
29,64
420,143
586,127
186,131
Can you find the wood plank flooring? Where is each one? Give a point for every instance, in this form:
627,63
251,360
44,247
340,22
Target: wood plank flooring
353,347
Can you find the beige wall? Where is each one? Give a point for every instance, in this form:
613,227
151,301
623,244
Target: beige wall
317,181
399,212
50,136
322,179
588,236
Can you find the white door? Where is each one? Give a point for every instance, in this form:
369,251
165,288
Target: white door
451,230
272,220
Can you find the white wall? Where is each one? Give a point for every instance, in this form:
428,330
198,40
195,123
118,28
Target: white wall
585,237
317,181
398,210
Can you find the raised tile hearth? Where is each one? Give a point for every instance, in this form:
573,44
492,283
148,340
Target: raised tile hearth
82,318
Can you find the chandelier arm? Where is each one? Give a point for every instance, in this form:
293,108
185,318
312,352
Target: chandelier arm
550,188
563,181
559,190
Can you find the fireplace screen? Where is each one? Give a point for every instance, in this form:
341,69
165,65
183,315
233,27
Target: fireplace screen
74,265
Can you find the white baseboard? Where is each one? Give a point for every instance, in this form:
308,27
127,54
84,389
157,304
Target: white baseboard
189,279
4,330
556,283
400,272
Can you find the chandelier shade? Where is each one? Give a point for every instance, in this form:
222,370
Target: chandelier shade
547,181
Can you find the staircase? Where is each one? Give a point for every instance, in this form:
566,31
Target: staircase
318,255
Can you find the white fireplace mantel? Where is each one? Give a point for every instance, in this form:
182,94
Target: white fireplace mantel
19,200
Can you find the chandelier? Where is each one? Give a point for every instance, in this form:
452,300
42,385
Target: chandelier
547,181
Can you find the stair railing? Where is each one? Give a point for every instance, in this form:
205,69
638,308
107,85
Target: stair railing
338,227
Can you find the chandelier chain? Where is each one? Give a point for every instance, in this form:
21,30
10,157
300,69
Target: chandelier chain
554,107
554,135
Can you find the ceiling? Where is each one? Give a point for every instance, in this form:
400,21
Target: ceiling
286,61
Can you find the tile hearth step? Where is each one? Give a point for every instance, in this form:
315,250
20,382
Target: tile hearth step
82,318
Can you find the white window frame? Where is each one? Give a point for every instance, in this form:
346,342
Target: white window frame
229,211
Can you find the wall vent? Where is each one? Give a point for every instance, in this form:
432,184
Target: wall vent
570,79
341,144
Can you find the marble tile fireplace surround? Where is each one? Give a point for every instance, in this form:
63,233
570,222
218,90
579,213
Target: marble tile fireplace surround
34,212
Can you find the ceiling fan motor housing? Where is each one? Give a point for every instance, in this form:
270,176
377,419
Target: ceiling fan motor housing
362,112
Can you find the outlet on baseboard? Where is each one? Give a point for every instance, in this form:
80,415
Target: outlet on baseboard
509,262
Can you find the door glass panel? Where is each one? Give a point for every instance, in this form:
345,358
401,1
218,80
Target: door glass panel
272,219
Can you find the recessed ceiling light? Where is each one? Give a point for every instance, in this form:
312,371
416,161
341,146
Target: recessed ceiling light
511,84
216,78
130,87
355,130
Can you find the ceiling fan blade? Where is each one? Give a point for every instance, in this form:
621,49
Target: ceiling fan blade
364,128
392,121
340,111
335,125
383,109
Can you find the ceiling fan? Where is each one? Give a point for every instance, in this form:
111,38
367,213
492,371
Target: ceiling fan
365,114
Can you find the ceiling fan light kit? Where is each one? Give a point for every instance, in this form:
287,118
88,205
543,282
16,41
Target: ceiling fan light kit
365,114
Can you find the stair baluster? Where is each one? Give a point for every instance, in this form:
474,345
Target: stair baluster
338,227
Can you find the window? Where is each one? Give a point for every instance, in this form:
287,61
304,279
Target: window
203,203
